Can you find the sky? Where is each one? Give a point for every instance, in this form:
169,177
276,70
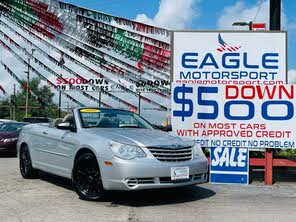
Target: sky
201,15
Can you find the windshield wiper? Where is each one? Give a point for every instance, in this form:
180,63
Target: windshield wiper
132,126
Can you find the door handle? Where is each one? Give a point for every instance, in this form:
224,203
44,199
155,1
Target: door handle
45,133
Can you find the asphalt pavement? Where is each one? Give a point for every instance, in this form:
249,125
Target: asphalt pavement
51,198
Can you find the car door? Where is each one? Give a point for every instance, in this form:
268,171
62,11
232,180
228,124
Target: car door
66,145
45,148
41,144
66,149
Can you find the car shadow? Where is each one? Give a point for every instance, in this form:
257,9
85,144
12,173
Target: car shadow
140,198
7,155
158,197
56,180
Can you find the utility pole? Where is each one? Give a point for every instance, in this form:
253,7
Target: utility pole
14,97
274,24
28,80
60,98
10,108
275,15
100,98
139,106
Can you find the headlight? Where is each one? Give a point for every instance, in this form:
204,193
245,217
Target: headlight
197,151
8,140
126,152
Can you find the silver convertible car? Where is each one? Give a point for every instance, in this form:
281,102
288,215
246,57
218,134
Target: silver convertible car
103,149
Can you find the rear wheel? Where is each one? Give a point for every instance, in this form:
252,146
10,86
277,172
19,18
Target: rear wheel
26,168
86,178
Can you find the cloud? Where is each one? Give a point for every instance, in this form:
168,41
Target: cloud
240,11
292,76
172,14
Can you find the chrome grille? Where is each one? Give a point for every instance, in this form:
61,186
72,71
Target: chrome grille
172,154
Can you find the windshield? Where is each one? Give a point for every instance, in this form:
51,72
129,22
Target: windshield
112,118
11,127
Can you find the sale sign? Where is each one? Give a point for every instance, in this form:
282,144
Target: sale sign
229,165
229,58
235,115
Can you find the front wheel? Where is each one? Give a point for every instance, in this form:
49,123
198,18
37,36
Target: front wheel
26,168
86,178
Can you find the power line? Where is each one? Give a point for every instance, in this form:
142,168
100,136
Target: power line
258,11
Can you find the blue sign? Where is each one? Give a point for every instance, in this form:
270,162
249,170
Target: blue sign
229,165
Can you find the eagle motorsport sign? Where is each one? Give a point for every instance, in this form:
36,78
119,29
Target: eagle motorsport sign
228,89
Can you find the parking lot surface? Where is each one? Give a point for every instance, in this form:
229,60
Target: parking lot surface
51,199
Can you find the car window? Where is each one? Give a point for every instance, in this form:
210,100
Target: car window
111,118
11,127
36,120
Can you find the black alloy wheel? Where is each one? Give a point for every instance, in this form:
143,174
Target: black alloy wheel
26,168
86,178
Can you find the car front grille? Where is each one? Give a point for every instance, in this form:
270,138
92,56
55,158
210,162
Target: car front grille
191,178
134,182
172,154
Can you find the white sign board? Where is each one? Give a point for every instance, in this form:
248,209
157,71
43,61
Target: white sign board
229,57
235,115
229,165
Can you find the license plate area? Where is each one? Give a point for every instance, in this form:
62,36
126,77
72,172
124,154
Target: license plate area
179,173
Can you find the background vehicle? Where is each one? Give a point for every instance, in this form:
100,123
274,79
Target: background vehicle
9,133
6,120
37,120
108,149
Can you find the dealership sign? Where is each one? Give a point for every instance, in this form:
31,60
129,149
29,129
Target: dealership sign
228,89
229,165
235,115
229,57
101,84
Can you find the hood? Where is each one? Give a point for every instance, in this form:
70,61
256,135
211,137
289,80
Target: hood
141,137
4,135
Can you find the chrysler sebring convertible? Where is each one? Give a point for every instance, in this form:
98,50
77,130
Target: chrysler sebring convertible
103,149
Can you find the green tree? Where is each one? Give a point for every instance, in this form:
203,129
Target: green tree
40,97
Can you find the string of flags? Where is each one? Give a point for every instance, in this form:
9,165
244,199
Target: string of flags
99,75
50,70
122,44
45,67
128,50
32,94
51,84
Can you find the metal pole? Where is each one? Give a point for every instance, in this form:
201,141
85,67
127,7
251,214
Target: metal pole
139,106
10,108
28,80
275,15
250,26
27,88
275,24
60,98
14,97
100,98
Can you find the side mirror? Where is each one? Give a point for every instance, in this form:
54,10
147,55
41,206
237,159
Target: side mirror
163,128
156,126
66,126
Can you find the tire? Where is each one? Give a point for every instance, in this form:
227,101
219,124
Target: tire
86,178
26,168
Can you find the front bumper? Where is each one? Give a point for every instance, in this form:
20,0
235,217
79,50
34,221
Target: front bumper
149,173
8,147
